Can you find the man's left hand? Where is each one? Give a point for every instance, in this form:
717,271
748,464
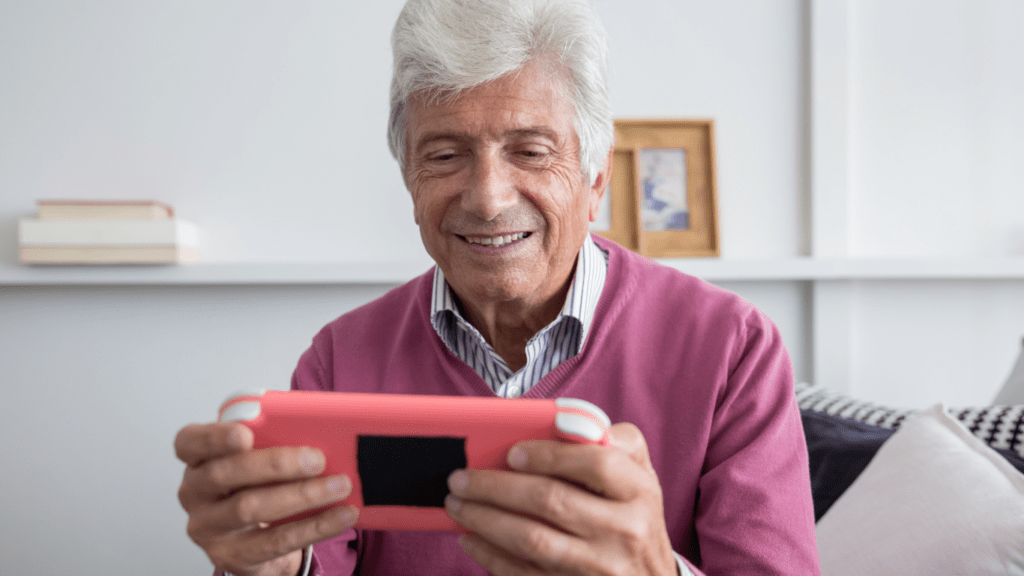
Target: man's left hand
567,509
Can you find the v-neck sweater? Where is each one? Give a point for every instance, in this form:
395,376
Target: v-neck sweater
702,373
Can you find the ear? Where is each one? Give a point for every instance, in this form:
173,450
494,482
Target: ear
600,184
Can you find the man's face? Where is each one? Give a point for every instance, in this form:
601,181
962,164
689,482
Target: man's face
495,180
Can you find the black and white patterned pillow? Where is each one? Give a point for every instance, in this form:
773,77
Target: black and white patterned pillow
1001,427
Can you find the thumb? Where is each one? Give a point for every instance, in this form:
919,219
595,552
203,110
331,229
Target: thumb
628,438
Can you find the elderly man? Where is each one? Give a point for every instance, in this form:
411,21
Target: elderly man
501,126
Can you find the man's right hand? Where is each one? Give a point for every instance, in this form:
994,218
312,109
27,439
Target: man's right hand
232,493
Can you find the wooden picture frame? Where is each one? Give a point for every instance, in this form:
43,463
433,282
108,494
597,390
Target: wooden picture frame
664,200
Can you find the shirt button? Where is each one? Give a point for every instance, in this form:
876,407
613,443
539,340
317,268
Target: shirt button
514,392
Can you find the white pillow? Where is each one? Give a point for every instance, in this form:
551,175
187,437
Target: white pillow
934,501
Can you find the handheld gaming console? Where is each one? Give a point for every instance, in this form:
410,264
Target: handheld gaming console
398,450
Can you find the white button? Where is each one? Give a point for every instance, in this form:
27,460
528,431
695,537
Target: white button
576,425
241,412
514,392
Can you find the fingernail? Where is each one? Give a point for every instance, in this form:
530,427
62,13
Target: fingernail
452,503
348,515
236,437
339,485
311,461
458,481
517,457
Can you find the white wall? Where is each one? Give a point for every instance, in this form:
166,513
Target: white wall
96,383
740,63
264,123
937,128
261,121
936,138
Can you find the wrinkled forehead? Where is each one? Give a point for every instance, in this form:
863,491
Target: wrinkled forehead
531,99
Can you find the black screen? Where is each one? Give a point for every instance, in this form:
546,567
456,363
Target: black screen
408,470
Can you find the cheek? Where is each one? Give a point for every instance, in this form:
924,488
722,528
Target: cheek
429,212
570,204
431,196
422,200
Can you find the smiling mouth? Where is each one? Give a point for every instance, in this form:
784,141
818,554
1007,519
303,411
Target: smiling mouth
496,241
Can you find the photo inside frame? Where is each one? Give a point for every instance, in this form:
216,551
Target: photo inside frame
662,200
662,182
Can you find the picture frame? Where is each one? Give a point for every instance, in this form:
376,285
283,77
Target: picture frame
663,199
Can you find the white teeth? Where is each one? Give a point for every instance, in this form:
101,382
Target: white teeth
495,241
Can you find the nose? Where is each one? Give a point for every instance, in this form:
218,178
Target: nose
491,189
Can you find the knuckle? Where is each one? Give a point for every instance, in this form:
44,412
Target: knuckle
634,544
538,544
184,495
180,440
247,507
635,532
619,566
323,524
280,463
326,524
195,531
278,543
218,473
227,557
605,464
217,554
550,499
311,492
629,432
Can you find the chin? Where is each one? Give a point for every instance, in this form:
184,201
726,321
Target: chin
500,287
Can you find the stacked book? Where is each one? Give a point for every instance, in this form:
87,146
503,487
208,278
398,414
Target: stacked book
105,232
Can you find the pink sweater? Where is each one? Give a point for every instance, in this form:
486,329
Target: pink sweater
702,373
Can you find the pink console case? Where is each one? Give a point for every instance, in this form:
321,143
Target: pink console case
399,449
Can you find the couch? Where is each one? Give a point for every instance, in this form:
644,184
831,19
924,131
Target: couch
930,492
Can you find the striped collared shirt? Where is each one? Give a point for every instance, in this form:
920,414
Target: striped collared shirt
557,342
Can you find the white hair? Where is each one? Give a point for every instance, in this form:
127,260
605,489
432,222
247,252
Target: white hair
443,47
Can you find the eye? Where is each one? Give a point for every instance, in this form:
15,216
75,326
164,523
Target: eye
532,152
442,156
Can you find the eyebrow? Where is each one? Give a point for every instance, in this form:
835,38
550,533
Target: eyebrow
542,131
516,133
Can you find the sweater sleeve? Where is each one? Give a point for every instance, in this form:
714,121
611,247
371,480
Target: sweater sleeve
754,513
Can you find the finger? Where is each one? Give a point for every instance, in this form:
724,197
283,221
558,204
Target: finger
223,476
606,471
252,507
519,536
566,506
197,443
258,546
628,438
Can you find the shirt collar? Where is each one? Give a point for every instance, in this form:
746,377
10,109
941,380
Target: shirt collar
580,301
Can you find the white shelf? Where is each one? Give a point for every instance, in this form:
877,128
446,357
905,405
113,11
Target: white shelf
1009,268
717,270
215,274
